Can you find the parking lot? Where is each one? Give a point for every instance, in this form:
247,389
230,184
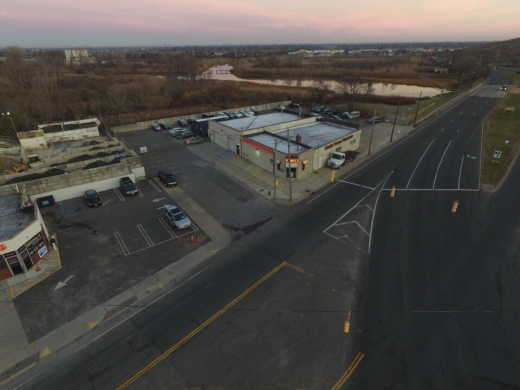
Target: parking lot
105,250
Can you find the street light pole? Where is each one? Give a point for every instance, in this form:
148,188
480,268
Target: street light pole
395,120
289,158
417,110
371,134
274,167
11,119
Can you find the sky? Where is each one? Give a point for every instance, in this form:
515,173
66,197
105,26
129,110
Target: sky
75,23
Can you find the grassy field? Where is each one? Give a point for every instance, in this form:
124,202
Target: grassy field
502,126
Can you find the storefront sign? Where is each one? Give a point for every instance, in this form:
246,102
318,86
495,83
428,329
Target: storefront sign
42,252
34,244
257,145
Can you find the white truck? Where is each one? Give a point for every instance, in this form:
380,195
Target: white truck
337,160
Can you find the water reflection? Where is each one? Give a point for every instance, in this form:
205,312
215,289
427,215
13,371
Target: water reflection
222,73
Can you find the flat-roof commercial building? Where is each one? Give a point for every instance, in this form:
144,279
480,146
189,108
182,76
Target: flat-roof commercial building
295,146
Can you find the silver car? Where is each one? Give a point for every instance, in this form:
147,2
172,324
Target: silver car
177,218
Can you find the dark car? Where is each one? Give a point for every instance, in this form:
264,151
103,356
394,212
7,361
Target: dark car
503,88
182,122
317,116
337,118
295,105
320,109
193,141
254,111
165,126
230,114
184,134
176,131
93,198
127,186
191,120
156,127
167,178
333,112
376,119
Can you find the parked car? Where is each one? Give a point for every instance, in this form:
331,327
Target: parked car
191,120
254,111
317,116
376,119
354,115
165,126
230,114
177,218
207,116
193,141
326,111
93,198
238,115
182,122
247,113
184,134
295,105
176,131
333,112
318,109
223,115
167,178
345,114
156,127
127,186
337,118
280,107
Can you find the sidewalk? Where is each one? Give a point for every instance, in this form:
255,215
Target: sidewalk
17,355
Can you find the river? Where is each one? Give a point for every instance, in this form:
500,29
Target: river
221,73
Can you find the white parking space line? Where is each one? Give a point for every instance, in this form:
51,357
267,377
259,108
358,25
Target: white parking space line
121,243
145,235
168,228
121,197
155,186
140,193
440,162
407,184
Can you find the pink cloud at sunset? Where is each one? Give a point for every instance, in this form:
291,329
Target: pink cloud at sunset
158,22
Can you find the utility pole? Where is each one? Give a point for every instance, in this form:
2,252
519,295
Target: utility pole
289,158
395,120
417,109
212,148
371,134
462,78
274,167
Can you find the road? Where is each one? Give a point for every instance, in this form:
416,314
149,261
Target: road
351,285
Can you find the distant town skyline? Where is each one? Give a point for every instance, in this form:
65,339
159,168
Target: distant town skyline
59,23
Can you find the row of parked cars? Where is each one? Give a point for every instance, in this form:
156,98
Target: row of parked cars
332,112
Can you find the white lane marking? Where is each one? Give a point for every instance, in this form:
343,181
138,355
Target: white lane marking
157,199
458,130
439,167
442,129
121,243
410,136
460,171
451,120
430,189
121,197
140,193
419,163
373,216
145,235
355,184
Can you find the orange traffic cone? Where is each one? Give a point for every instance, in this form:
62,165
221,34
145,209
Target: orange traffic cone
198,238
38,267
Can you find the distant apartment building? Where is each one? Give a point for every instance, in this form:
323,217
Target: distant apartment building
78,57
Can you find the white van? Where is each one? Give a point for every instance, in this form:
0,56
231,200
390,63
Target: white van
354,115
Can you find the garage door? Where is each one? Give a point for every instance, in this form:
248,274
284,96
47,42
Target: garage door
231,143
217,138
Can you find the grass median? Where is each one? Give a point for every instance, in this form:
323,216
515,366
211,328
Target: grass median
503,134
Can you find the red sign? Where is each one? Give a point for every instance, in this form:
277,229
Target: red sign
257,145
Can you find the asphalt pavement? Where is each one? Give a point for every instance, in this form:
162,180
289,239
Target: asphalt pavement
219,231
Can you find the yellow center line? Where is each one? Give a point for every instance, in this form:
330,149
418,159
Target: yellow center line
298,269
201,327
349,371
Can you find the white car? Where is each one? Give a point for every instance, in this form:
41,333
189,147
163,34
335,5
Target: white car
238,115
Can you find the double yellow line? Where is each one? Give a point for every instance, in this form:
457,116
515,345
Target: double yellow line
204,325
349,371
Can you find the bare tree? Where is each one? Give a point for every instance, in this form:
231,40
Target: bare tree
320,90
352,88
